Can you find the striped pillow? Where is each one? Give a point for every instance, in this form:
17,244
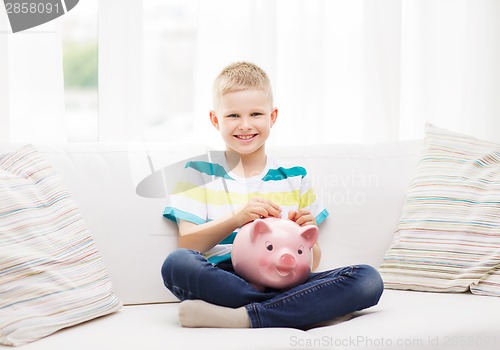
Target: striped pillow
51,275
448,237
488,285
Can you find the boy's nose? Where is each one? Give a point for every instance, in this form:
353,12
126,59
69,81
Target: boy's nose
245,124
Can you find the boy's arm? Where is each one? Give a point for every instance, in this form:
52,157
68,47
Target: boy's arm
316,257
205,236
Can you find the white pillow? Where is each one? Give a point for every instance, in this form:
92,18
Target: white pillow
51,274
448,237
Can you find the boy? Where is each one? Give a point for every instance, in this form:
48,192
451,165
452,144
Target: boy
248,185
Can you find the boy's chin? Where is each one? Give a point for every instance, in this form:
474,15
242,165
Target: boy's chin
245,151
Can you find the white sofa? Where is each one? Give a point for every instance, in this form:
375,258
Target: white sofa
363,186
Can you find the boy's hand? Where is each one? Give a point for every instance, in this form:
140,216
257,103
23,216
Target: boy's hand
302,217
257,208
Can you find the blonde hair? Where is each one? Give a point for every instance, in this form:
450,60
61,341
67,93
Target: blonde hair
240,76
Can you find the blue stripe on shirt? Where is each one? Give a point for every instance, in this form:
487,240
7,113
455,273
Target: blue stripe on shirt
284,173
229,239
212,169
176,215
218,259
322,216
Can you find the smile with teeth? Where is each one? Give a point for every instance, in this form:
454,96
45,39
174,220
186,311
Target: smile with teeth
245,137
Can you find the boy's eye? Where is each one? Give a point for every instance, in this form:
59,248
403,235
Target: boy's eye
232,116
257,114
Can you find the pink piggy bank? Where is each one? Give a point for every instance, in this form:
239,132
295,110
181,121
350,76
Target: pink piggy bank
274,252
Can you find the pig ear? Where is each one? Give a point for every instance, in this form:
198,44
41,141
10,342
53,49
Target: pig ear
310,234
259,227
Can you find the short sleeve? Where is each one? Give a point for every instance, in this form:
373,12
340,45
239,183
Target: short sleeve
186,195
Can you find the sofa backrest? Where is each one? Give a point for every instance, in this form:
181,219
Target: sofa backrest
362,186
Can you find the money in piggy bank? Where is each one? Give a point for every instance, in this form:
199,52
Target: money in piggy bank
274,252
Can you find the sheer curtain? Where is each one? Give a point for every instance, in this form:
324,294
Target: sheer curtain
450,72
334,64
120,69
361,71
342,70
31,84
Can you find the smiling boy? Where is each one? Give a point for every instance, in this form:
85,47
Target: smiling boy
251,185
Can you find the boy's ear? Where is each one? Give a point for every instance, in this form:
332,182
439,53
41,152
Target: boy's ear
274,116
214,120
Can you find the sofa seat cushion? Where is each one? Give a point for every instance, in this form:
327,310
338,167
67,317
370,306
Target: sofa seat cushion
419,319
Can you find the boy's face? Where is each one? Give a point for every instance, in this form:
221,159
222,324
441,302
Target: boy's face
244,119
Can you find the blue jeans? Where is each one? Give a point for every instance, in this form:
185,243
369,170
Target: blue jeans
324,296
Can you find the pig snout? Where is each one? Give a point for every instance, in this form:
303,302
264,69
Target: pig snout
287,260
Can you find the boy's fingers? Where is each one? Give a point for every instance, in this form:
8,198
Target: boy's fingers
272,208
273,211
271,203
264,211
301,220
306,220
303,212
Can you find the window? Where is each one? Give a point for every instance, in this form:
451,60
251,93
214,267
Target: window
80,65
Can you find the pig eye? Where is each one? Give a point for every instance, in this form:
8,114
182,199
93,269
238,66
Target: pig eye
269,246
300,251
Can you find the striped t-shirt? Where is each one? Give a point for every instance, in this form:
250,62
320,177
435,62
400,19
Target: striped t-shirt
209,190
